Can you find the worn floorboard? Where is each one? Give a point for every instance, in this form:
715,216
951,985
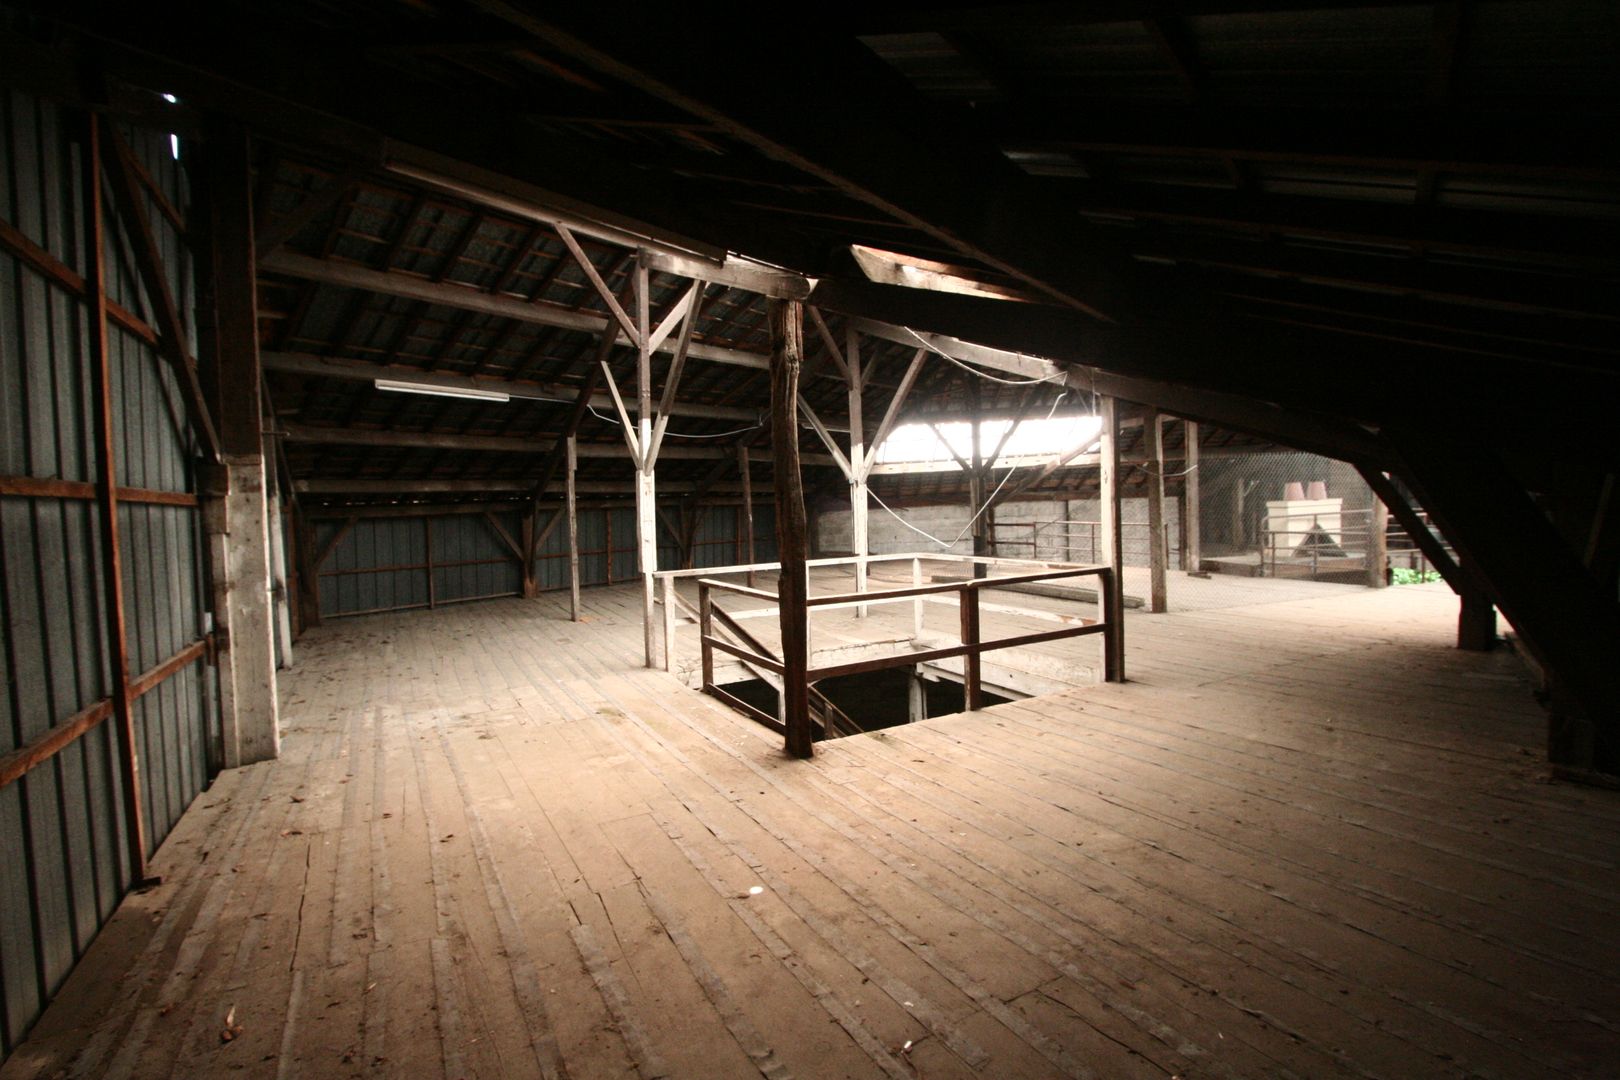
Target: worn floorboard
1308,839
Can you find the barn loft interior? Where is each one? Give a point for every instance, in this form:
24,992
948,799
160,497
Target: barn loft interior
914,541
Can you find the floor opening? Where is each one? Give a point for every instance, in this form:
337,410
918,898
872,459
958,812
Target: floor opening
873,700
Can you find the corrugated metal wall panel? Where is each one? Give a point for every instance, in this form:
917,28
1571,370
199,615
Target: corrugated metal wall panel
486,568
380,564
62,830
390,555
623,548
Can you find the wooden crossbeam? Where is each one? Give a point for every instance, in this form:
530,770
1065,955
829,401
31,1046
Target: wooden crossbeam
117,162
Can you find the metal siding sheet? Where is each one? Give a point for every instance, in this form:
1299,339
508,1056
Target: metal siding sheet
20,994
62,827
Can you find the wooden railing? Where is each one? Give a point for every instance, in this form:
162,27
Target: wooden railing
747,649
1066,538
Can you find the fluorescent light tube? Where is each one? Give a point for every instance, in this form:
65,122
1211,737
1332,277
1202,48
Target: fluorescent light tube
431,390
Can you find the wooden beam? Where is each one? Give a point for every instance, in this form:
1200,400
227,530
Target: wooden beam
503,536
330,367
106,448
626,425
834,353
1433,549
118,164
400,283
792,546
892,414
631,330
1152,364
284,228
1532,573
821,431
335,539
672,378
372,486
873,154
498,444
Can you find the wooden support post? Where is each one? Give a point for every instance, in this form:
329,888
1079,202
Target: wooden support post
787,356
1109,602
1112,551
747,507
1192,548
280,599
917,602
705,624
972,695
427,543
112,574
1158,542
527,544
646,495
573,535
976,479
859,536
1377,543
669,624
1474,602
250,721
916,696
1476,622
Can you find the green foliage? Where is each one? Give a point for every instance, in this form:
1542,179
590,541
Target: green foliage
1405,575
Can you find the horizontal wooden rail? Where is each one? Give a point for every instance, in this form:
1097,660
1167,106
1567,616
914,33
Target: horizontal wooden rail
970,649
880,663
401,567
769,663
17,763
35,488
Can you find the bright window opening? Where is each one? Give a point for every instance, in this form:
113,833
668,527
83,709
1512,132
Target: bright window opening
1036,440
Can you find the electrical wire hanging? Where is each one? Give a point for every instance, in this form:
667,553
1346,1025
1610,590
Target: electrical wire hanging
681,434
988,503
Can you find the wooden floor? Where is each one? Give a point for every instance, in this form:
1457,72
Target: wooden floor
1311,840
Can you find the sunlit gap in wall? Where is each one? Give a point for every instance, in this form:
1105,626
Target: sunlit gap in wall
174,140
1036,440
